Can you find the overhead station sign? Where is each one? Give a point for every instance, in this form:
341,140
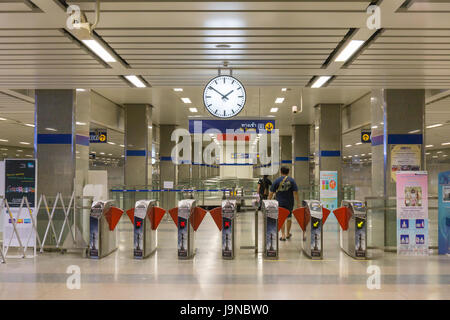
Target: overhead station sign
100,136
239,126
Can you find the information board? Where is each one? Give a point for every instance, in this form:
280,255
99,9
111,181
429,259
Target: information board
329,189
444,213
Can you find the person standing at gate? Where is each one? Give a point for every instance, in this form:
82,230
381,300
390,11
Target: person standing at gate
285,189
263,188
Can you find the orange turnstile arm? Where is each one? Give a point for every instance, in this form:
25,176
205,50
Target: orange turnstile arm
197,217
130,214
299,215
113,216
325,213
174,214
342,217
282,215
156,215
216,214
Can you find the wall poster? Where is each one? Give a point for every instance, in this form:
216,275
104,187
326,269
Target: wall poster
405,157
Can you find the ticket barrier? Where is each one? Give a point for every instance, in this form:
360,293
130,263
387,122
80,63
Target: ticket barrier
145,233
311,217
352,217
274,218
224,217
187,217
103,220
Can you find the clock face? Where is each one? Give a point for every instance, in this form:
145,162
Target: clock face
224,97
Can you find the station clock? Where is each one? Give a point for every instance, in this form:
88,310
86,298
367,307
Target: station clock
224,96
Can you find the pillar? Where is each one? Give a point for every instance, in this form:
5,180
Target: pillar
286,152
61,147
398,118
138,145
300,159
328,143
168,169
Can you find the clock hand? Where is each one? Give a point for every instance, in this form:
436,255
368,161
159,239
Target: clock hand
225,96
219,93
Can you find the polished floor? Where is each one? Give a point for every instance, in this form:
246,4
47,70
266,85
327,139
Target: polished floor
208,276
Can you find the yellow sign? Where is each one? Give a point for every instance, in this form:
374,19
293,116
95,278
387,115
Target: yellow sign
102,138
269,126
366,137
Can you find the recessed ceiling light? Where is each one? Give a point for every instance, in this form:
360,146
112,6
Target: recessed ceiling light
150,127
274,110
358,143
178,89
348,146
284,89
439,152
193,110
78,123
2,119
445,143
186,100
29,125
4,140
22,142
136,81
429,146
320,81
434,125
81,90
349,50
374,127
99,50
19,150
51,129
102,153
122,145
415,131
279,100
110,142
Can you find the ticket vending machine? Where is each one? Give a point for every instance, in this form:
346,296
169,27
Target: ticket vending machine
103,220
274,218
145,217
352,217
311,217
224,217
187,217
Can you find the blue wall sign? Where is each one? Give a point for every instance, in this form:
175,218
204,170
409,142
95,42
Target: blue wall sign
98,137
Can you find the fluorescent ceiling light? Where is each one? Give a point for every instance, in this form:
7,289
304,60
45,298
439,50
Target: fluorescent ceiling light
349,50
29,125
358,143
80,123
4,140
374,127
102,153
429,146
81,90
284,89
22,142
274,110
150,127
321,81
436,152
178,89
193,110
110,142
136,81
122,145
279,100
186,100
51,129
2,119
434,125
348,146
415,131
445,143
99,50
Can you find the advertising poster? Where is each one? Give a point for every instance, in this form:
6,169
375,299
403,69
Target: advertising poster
405,157
94,231
20,181
444,213
329,189
412,213
271,211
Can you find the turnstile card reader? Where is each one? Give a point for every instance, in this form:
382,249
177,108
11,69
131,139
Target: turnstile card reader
274,218
145,217
311,217
187,217
103,220
224,217
352,217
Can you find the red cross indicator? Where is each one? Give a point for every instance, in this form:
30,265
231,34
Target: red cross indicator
227,224
138,224
182,224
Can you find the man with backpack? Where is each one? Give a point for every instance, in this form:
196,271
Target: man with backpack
285,189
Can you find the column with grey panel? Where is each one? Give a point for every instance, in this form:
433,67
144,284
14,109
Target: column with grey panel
168,169
300,157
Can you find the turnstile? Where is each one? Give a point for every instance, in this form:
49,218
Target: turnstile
145,217
352,217
187,217
102,233
311,217
224,217
274,218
